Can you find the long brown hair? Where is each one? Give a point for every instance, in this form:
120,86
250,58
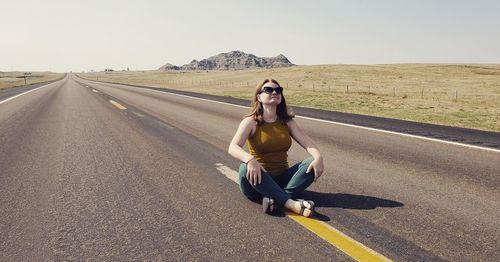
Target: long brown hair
284,113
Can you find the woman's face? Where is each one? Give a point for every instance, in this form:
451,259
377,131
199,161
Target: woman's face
270,94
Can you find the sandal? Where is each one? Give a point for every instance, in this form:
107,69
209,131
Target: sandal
268,205
303,207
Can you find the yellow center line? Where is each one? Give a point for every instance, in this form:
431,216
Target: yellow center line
330,234
117,105
338,239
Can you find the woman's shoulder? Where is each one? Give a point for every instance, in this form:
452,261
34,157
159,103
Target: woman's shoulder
249,121
250,124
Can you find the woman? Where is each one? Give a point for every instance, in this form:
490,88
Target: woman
264,173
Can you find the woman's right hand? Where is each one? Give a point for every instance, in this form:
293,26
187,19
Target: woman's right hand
254,172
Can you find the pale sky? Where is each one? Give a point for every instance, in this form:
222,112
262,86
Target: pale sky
64,35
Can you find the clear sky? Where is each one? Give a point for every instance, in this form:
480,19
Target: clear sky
64,35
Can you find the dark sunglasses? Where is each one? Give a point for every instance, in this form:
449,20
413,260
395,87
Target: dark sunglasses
269,90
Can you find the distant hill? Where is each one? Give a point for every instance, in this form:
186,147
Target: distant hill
234,60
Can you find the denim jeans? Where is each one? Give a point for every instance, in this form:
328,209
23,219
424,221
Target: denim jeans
287,185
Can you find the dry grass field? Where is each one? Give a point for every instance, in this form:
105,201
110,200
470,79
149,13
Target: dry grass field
448,94
11,79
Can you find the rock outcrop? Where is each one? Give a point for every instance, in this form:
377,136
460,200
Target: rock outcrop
169,67
234,60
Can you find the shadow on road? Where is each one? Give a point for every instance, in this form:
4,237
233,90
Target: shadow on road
349,201
342,200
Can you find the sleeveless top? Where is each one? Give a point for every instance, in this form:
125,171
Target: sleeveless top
269,145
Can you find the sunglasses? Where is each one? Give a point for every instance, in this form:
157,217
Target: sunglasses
269,90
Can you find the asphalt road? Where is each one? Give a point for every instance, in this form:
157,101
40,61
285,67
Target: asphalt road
81,179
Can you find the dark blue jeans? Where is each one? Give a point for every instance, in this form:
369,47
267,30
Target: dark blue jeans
287,185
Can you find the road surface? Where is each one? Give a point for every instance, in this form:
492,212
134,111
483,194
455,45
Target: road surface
83,178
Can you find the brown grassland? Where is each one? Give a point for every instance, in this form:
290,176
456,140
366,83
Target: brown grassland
463,95
10,79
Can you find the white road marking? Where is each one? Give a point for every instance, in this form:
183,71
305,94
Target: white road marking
228,172
137,114
166,125
406,135
16,96
95,91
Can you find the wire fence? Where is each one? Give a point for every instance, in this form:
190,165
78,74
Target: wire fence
403,92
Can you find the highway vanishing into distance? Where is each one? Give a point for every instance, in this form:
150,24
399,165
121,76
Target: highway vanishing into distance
102,171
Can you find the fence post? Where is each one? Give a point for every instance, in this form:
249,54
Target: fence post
369,90
393,91
456,95
422,93
347,89
313,87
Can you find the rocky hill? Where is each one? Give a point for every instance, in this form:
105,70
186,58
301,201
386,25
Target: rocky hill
234,60
169,67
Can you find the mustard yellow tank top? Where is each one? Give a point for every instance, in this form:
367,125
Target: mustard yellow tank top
269,145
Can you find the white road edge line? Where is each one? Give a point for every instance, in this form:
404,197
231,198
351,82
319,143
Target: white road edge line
347,125
354,126
18,95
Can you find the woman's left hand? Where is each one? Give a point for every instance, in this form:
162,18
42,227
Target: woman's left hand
317,166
